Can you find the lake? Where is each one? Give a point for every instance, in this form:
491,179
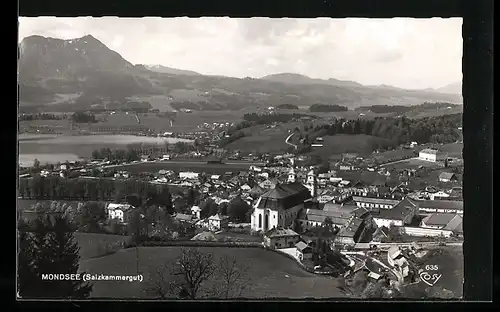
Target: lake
59,148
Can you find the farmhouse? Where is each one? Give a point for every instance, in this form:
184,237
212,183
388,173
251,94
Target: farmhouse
440,206
121,212
280,238
399,215
279,206
447,177
433,155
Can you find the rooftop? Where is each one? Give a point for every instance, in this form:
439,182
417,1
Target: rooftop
441,204
375,200
430,151
280,232
398,212
439,219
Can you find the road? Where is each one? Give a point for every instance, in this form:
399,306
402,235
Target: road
397,161
288,138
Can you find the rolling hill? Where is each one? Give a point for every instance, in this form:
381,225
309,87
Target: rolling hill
453,88
83,73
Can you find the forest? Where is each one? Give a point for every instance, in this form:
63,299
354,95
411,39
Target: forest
82,117
327,108
438,129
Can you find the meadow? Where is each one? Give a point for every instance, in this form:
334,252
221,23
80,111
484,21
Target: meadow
338,144
94,245
272,275
450,262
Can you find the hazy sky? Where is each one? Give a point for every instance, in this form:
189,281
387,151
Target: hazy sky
403,52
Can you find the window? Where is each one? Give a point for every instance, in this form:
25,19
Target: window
274,216
260,220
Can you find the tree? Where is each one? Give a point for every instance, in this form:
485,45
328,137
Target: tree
233,278
208,208
89,217
238,209
36,163
52,249
185,276
223,208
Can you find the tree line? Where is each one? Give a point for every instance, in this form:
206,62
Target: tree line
83,117
438,129
100,189
127,155
40,116
327,108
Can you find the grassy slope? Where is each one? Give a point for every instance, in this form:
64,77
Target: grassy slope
338,144
273,275
91,244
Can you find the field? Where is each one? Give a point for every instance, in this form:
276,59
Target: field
338,144
272,274
412,163
62,148
94,245
186,166
452,149
450,265
264,140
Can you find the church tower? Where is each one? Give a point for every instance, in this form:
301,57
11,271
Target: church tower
292,175
312,183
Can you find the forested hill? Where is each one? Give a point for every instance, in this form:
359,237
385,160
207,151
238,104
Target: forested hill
438,129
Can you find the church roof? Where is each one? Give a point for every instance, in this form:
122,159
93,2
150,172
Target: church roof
284,196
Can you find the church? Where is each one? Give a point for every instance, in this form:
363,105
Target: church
280,206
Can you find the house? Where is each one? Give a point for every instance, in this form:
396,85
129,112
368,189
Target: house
181,217
375,202
245,187
121,212
440,206
433,155
146,158
279,206
214,177
309,218
351,233
187,175
195,211
267,184
396,259
439,195
442,221
218,222
346,167
280,237
399,215
303,251
447,177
